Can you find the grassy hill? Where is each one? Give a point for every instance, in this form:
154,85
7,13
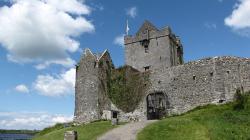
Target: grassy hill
225,122
85,132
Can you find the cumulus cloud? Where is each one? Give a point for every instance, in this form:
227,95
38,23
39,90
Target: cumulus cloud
239,20
132,12
22,88
54,86
43,31
31,120
119,40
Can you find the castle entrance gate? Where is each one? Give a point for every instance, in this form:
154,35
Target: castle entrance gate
156,105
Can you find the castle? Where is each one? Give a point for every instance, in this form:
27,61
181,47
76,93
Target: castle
175,87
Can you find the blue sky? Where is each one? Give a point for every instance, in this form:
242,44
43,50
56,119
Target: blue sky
41,41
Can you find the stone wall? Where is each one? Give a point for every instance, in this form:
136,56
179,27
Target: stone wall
197,83
211,80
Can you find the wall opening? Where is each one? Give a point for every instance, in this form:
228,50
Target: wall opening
114,114
146,48
157,103
221,101
194,77
146,68
211,74
145,44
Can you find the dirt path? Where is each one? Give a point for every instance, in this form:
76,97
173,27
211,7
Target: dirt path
125,132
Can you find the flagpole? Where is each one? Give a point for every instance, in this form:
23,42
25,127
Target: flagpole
127,28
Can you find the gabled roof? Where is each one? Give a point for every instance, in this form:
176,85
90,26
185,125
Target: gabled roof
146,26
87,51
105,52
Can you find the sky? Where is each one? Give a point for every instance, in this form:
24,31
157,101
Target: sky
42,40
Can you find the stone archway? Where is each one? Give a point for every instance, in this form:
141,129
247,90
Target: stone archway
156,105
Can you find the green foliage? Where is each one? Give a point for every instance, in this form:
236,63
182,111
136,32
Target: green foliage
101,63
126,87
32,132
211,122
241,100
85,132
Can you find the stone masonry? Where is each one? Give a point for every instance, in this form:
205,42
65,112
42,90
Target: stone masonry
175,87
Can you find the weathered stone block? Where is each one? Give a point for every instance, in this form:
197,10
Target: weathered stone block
70,135
114,121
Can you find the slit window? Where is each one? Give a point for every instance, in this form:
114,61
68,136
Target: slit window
95,64
194,77
146,48
145,44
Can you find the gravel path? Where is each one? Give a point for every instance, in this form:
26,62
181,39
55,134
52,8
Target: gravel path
125,132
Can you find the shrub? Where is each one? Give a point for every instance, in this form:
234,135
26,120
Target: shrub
126,87
240,100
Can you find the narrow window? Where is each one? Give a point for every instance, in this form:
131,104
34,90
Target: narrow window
194,77
211,74
95,64
146,48
107,62
145,44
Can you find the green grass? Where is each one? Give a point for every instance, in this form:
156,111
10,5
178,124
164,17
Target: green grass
85,132
204,123
32,132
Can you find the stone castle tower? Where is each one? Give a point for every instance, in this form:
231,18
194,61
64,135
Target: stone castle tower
175,87
152,49
91,97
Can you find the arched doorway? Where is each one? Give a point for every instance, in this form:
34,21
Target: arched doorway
156,105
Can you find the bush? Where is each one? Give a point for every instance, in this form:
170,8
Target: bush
126,87
240,100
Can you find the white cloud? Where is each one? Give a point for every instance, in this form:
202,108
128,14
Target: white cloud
132,12
22,88
68,62
43,31
119,40
54,86
210,25
239,20
31,120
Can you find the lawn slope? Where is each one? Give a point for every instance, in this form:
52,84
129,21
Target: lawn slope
85,132
224,122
